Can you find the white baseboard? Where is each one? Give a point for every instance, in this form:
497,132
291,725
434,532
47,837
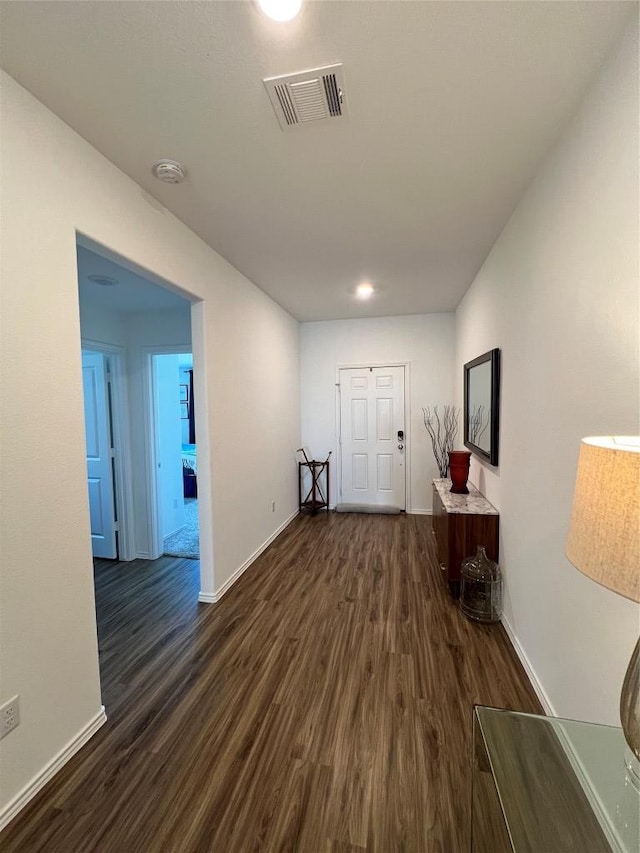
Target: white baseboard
212,597
531,673
419,512
49,770
207,597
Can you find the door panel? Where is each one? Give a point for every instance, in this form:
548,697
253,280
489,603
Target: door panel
95,507
371,414
385,472
359,431
360,471
99,465
385,381
384,419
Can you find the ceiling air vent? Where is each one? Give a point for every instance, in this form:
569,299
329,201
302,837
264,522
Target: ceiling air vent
308,96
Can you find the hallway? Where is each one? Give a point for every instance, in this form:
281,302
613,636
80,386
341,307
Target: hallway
323,704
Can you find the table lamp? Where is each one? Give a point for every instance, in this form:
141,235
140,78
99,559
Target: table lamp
604,541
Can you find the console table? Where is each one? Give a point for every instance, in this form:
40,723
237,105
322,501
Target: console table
461,523
547,785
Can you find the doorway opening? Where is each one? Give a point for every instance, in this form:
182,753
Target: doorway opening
176,457
129,314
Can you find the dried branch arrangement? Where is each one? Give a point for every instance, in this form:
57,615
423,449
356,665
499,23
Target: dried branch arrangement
478,423
443,431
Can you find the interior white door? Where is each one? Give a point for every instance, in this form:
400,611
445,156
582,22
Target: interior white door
372,436
99,464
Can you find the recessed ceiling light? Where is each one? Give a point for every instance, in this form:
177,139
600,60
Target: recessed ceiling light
364,290
103,280
280,10
168,171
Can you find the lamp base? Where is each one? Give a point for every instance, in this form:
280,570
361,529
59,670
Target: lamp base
632,770
630,703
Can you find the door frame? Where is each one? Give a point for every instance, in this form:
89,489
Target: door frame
361,365
121,443
151,442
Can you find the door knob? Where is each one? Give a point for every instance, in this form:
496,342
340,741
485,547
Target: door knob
401,447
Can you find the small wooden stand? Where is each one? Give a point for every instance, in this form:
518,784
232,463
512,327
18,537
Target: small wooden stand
316,498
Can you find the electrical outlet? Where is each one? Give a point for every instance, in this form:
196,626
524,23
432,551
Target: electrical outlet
273,506
9,716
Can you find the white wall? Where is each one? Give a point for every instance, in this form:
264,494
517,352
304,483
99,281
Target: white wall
426,341
559,295
54,184
169,447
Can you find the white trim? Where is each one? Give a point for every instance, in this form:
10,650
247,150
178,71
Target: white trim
122,466
206,515
419,512
121,444
212,598
51,768
407,423
549,710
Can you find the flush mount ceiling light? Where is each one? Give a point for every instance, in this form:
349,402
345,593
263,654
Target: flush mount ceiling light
168,171
280,10
364,290
103,280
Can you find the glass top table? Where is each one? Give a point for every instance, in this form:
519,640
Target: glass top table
548,785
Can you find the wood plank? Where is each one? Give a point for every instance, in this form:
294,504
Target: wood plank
324,704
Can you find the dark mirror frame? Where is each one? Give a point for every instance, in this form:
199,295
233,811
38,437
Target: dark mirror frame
492,356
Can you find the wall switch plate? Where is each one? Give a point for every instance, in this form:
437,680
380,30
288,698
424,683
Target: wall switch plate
9,716
273,506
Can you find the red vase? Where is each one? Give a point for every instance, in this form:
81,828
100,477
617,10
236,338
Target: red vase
459,461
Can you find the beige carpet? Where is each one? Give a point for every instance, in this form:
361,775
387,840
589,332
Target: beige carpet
186,541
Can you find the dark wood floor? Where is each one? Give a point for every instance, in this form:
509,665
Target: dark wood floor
323,705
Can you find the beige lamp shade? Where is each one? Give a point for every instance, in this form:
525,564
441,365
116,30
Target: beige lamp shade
604,533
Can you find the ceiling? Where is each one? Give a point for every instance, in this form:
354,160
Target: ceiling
132,292
451,107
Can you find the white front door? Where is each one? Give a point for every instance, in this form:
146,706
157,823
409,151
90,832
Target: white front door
372,436
99,464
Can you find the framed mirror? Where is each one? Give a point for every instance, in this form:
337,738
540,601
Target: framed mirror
481,412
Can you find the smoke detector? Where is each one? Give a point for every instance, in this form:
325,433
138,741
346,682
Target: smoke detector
168,171
103,280
308,97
